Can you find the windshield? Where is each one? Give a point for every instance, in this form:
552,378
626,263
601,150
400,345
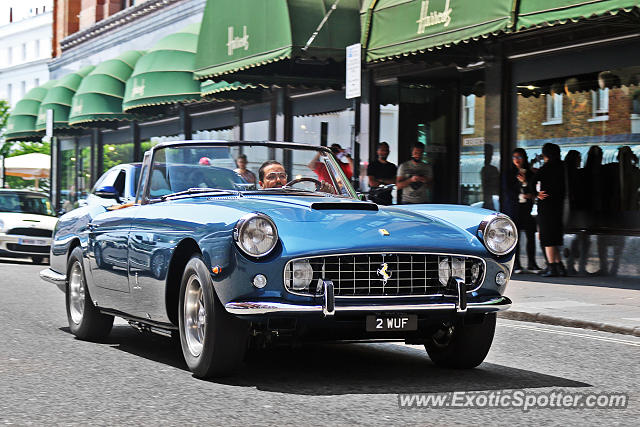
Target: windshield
25,203
242,168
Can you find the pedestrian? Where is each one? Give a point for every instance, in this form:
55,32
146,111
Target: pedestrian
490,179
550,181
381,172
342,156
519,203
415,177
246,174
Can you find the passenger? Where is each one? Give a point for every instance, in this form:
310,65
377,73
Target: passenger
242,170
272,175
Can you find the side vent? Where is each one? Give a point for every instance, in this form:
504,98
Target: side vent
346,206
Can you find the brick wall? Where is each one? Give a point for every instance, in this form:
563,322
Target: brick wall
577,109
65,22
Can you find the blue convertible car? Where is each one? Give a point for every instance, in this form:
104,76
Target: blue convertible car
285,250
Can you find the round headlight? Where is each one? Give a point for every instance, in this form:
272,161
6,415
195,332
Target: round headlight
256,234
499,234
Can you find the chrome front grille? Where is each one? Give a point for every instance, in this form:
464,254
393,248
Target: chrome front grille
360,275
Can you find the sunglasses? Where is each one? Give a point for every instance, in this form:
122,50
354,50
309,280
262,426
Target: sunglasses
276,175
517,157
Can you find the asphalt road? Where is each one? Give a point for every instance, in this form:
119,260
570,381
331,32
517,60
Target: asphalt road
49,377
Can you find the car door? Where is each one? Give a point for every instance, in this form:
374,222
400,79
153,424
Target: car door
108,248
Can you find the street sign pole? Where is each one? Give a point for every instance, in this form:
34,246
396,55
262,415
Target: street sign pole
353,90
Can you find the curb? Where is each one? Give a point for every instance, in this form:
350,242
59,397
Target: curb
572,323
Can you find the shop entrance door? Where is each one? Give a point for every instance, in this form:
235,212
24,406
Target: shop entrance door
429,116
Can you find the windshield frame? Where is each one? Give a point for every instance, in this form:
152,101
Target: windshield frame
151,155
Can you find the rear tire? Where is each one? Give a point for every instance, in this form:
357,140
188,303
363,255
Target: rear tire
213,341
465,347
85,320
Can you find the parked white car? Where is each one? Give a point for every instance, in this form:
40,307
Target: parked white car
27,221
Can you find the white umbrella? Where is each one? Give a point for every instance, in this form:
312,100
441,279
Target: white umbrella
28,166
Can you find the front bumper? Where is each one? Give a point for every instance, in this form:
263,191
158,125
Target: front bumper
60,280
13,245
459,304
265,308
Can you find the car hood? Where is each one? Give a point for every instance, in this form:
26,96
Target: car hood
12,220
329,224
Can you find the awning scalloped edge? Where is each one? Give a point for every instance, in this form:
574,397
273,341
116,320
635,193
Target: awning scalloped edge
244,67
440,46
555,22
153,104
230,89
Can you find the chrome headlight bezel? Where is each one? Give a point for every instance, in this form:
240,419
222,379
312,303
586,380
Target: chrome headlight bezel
241,228
484,229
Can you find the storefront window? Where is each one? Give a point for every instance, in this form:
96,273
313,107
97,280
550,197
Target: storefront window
479,150
599,137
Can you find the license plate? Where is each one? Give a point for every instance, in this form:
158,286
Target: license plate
34,242
405,322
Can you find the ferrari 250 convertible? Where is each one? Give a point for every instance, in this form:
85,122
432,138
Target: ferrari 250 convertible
284,250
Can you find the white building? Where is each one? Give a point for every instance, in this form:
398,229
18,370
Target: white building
26,29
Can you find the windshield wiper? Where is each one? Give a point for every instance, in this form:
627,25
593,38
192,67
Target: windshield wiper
198,190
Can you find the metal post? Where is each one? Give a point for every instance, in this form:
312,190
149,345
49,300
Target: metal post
324,133
135,138
92,159
56,165
4,176
97,135
185,123
76,170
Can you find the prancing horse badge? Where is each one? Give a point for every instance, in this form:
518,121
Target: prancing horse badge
384,272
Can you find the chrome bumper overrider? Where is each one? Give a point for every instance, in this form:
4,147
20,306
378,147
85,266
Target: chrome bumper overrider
60,280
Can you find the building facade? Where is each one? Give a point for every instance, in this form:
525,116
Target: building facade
25,48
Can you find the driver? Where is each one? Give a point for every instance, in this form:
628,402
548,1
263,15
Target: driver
272,175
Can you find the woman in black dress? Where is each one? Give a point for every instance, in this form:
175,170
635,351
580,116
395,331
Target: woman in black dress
520,195
551,181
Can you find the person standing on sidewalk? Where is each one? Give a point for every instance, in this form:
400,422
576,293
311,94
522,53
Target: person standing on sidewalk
551,191
381,172
519,203
415,177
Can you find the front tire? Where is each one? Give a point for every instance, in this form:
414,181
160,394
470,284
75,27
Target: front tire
85,320
213,341
462,346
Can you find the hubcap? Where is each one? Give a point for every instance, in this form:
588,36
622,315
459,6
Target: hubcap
76,293
195,316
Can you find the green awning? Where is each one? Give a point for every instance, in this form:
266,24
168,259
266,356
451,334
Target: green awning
236,91
395,28
538,13
21,125
98,100
242,34
165,74
59,99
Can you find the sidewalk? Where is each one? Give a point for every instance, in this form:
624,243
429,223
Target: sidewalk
604,304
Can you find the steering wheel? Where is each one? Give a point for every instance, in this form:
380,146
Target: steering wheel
298,180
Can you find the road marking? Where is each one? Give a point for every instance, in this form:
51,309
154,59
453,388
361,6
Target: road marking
575,334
